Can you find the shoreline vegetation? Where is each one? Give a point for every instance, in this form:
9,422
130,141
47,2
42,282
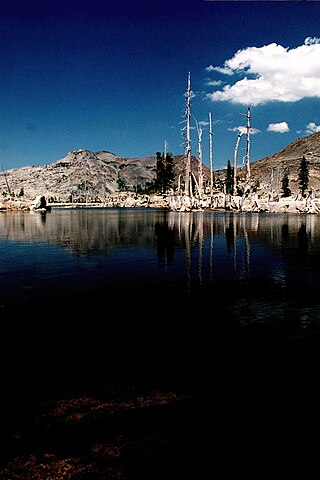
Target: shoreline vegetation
294,204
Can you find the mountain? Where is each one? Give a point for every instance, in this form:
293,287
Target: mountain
83,175
80,175
267,173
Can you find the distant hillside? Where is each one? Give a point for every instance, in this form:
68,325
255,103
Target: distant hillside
268,172
83,175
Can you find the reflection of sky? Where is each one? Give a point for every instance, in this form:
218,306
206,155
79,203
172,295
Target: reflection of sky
255,272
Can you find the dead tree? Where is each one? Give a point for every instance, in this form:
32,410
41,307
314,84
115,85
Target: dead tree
179,181
248,130
210,155
192,176
200,174
188,140
235,164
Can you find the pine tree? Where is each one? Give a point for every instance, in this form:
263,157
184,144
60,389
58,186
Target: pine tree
303,175
165,174
121,184
229,179
285,185
159,172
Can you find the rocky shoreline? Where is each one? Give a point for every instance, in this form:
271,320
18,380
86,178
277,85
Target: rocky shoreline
175,202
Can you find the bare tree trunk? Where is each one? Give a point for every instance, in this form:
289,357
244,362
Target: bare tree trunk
210,155
200,175
235,165
188,144
192,175
7,183
248,116
248,144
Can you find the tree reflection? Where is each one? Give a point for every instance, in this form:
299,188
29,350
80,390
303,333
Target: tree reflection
165,242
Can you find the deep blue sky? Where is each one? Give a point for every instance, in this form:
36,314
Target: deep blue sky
111,75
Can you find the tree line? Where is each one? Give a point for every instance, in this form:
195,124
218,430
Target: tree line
165,176
303,179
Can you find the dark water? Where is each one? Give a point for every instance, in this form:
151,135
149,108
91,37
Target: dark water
225,305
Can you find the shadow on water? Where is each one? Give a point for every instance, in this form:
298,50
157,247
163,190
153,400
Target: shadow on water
222,306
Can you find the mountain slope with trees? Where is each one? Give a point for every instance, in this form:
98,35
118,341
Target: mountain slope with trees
86,176
269,173
83,175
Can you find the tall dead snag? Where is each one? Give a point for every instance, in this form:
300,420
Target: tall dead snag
200,175
188,140
248,129
235,164
210,155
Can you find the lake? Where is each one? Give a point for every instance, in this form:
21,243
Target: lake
80,278
194,301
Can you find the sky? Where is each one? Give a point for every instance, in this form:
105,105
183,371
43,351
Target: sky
112,75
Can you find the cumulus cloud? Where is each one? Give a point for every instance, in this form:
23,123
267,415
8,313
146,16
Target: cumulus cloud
312,128
241,129
271,73
281,127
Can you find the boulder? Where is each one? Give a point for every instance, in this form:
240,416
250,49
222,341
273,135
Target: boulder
40,202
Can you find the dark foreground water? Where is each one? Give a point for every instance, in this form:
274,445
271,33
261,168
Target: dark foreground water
225,307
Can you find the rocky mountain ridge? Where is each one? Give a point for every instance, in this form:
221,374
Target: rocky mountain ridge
267,173
83,176
86,176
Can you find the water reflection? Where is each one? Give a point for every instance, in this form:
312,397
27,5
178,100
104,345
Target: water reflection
250,267
89,231
105,293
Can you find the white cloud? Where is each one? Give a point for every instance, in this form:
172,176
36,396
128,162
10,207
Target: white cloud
312,128
281,127
224,70
276,74
242,129
214,83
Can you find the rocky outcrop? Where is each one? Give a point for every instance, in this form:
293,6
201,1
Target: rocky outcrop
12,205
81,176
